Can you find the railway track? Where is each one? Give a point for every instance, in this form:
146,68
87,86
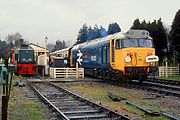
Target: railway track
161,88
162,81
70,106
158,87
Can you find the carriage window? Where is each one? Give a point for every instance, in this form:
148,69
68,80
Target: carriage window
118,44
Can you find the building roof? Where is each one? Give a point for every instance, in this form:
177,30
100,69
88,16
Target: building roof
37,47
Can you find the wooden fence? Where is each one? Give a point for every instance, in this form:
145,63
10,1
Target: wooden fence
66,72
165,71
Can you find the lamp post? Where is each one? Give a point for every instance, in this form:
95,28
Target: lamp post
37,54
46,39
45,57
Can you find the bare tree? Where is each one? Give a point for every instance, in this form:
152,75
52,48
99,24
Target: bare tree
14,39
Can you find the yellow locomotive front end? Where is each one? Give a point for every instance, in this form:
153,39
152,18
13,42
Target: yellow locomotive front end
133,54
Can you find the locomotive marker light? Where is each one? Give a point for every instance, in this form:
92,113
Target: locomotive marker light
128,59
152,58
79,54
137,34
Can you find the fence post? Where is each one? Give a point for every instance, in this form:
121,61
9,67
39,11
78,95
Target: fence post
83,73
4,107
166,69
54,72
66,72
50,72
77,72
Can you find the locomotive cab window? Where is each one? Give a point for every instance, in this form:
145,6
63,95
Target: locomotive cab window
129,43
145,43
118,44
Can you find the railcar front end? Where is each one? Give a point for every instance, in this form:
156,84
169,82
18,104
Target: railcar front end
26,69
25,62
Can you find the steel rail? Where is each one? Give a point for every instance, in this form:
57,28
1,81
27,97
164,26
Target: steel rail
157,87
163,81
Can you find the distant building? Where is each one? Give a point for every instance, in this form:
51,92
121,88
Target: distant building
38,50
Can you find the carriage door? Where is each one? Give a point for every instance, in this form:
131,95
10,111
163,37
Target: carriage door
112,53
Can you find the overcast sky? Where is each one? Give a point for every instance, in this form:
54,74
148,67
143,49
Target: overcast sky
62,19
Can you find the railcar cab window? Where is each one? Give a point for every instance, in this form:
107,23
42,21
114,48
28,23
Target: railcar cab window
127,43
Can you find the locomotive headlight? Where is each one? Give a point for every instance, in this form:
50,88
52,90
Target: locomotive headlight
128,59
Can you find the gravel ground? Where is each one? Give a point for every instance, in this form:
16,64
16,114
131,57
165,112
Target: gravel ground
171,104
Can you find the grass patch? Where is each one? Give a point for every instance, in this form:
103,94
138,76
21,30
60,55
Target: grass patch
21,108
156,118
133,109
147,104
25,110
171,78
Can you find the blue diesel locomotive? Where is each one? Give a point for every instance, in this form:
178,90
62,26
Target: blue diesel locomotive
129,55
124,55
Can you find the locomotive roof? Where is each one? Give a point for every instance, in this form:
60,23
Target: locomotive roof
119,35
132,34
62,50
16,50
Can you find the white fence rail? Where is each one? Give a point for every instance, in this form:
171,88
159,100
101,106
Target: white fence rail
165,71
66,72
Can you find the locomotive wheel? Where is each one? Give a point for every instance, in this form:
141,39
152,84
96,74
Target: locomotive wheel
108,75
119,76
122,78
142,78
125,79
102,75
